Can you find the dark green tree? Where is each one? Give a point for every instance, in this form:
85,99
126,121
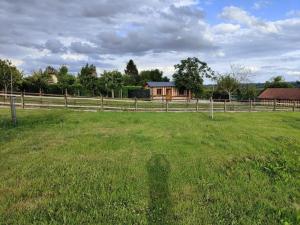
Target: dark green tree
278,82
247,92
38,81
113,81
152,75
65,80
77,87
50,71
88,78
190,73
132,72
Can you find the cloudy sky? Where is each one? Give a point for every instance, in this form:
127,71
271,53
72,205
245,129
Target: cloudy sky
263,35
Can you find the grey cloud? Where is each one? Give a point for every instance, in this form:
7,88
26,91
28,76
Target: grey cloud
55,46
83,48
108,32
56,61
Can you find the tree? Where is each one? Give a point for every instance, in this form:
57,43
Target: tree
247,92
9,75
39,80
277,82
88,78
190,73
77,86
133,73
113,81
228,83
50,70
65,80
241,73
152,75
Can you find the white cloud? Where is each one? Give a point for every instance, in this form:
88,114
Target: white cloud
74,57
293,73
179,3
226,28
260,4
242,17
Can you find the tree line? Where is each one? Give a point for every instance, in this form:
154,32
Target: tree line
189,74
86,82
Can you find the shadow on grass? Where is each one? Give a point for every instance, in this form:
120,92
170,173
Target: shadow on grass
160,205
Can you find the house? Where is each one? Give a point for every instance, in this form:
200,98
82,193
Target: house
167,91
53,79
280,94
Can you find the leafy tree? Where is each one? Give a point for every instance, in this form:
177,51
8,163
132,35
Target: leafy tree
38,81
113,81
152,75
190,73
228,83
128,80
50,70
88,78
278,82
133,73
9,75
65,80
248,92
76,87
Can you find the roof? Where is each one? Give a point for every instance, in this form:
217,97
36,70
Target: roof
160,84
281,94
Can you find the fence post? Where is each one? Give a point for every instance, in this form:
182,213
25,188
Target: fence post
41,98
250,105
211,108
23,100
274,105
66,100
135,103
197,105
294,106
167,105
102,103
225,105
13,110
99,104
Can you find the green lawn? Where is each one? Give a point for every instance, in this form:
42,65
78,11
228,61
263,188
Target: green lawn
68,167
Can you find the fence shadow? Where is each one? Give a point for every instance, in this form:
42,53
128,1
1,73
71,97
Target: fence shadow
160,205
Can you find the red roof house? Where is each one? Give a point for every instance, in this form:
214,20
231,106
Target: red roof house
281,94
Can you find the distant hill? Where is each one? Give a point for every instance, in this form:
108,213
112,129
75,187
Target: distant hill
260,86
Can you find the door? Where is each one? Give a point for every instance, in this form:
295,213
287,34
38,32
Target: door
169,94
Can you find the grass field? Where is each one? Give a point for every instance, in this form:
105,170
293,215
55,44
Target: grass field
68,167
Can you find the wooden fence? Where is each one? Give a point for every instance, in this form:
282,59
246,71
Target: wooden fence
33,100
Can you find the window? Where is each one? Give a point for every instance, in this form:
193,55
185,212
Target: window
158,91
181,92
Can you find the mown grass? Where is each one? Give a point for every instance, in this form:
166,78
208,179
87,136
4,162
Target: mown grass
68,167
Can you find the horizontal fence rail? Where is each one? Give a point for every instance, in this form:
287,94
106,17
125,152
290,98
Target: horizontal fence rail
33,100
